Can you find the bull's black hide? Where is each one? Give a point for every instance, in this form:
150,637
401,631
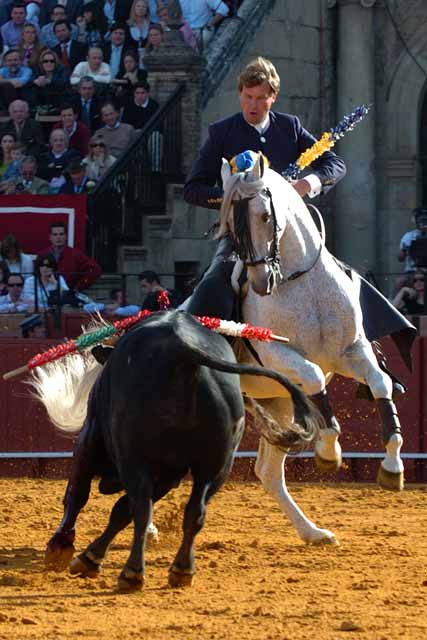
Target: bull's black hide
167,402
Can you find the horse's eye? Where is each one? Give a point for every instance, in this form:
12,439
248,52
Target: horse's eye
265,217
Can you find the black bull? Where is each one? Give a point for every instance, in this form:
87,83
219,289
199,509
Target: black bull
165,403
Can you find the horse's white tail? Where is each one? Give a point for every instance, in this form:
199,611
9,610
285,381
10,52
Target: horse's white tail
63,387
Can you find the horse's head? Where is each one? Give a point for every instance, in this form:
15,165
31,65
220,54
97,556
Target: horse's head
248,212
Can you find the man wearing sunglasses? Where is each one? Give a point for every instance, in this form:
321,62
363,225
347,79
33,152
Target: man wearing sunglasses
15,301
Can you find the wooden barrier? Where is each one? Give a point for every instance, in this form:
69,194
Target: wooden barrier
25,428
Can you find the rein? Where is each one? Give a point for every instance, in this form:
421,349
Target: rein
245,248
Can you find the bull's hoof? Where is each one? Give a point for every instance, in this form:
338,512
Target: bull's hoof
327,466
388,480
84,567
57,556
129,581
180,578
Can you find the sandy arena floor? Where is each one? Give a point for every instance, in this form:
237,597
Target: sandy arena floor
255,581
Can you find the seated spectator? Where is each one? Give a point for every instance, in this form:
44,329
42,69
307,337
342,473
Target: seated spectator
7,141
91,26
77,132
11,31
29,182
14,77
95,68
26,130
203,17
115,11
405,254
15,259
59,157
78,269
77,180
45,286
114,50
29,46
50,83
17,299
33,327
140,108
87,104
156,36
14,170
139,24
99,159
47,34
151,288
125,82
69,51
72,7
4,274
117,135
410,299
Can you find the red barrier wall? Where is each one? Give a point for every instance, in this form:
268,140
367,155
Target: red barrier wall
25,427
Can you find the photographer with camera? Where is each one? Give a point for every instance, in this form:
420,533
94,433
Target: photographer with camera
413,248
29,182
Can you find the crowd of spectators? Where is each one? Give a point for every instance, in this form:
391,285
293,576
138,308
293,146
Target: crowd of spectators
81,62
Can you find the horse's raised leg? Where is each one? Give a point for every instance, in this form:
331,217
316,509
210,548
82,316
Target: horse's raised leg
361,364
328,454
270,469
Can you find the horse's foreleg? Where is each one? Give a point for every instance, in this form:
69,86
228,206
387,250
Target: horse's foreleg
270,469
328,454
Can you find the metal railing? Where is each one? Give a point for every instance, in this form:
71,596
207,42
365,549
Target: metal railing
136,184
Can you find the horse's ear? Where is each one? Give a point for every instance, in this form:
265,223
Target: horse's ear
225,172
257,170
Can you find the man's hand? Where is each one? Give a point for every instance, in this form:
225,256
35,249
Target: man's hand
302,187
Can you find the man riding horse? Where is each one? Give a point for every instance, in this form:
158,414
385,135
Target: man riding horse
281,139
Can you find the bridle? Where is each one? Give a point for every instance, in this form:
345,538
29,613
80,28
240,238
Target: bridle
244,245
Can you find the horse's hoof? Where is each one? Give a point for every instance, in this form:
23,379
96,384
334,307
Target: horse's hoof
152,533
180,578
327,466
388,480
129,581
84,567
57,557
323,537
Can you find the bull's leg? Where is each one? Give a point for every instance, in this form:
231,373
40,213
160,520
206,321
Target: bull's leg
328,454
270,469
60,548
361,364
140,493
89,562
183,567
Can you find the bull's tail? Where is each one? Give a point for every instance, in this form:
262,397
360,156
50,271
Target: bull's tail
63,387
307,419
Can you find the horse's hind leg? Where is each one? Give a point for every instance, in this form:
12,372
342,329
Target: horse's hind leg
270,469
363,366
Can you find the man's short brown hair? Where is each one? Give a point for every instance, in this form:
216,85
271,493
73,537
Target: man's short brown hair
258,71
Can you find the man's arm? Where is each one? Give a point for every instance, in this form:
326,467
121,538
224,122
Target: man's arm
87,269
201,188
329,168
